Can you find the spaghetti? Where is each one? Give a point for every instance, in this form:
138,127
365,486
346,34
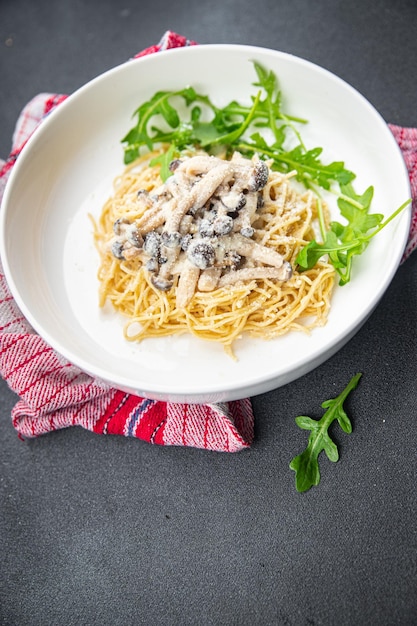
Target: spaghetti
246,284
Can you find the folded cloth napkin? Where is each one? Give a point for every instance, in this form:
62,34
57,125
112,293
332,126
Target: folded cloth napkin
55,394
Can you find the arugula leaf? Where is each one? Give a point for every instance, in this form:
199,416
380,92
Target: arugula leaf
158,105
268,81
232,136
305,465
342,243
164,159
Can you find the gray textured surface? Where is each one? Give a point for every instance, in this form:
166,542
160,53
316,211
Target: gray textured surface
97,530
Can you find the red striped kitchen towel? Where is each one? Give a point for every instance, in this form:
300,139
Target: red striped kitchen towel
53,394
407,140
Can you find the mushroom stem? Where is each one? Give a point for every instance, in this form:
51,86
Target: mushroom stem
209,279
254,273
198,195
252,250
187,284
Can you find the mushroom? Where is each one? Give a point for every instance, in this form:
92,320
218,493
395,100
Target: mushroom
201,253
198,225
187,284
255,251
199,193
154,217
259,176
117,249
161,283
208,279
250,273
152,244
198,165
222,225
243,223
127,241
234,201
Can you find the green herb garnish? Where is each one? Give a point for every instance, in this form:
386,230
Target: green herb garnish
342,242
186,119
306,465
231,127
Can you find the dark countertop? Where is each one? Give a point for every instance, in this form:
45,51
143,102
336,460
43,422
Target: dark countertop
101,530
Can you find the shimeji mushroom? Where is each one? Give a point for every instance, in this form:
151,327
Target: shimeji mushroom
198,226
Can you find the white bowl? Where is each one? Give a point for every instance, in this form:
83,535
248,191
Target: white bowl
66,171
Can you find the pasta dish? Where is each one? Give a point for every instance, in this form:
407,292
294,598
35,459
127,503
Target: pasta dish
211,251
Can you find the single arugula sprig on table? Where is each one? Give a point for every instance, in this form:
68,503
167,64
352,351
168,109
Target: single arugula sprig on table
306,465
